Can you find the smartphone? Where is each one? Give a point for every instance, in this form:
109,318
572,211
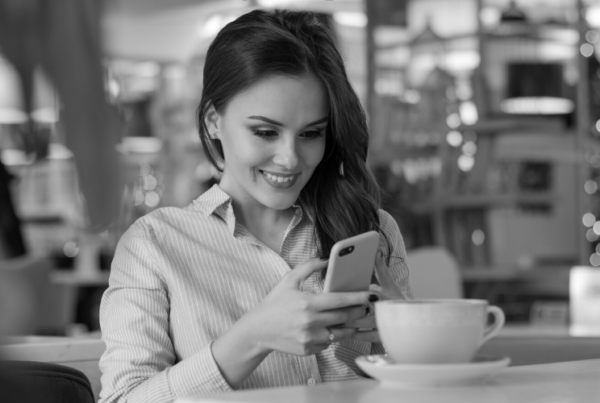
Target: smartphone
351,263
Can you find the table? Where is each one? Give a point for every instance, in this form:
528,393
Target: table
572,382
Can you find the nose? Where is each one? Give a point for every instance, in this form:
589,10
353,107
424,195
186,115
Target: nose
286,154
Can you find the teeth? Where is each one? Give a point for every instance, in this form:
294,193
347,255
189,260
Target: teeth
278,178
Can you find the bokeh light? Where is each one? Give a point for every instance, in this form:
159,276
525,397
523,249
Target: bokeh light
469,148
466,162
592,36
453,120
478,237
596,228
152,199
70,249
588,219
590,187
454,138
587,50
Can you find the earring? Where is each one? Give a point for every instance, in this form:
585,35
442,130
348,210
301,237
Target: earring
341,170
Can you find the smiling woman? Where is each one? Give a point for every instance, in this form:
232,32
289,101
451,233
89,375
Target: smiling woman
227,293
273,138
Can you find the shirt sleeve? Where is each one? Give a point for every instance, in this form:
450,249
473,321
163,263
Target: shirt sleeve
140,364
397,260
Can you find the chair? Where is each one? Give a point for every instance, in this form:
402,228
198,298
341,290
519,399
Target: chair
80,354
434,273
30,381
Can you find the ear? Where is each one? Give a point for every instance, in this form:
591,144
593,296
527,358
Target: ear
212,120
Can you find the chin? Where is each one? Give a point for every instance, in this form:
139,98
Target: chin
278,202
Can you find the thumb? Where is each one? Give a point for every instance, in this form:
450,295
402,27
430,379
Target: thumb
304,270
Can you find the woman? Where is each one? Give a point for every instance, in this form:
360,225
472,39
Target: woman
227,293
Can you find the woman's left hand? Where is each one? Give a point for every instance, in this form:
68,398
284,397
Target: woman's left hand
388,289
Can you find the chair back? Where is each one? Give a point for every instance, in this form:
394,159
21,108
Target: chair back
434,273
80,354
31,381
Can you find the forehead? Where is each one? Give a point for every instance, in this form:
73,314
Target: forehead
282,97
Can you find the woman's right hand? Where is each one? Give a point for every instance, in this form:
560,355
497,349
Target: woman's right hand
291,321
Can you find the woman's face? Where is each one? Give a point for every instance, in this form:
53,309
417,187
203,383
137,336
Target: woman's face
273,138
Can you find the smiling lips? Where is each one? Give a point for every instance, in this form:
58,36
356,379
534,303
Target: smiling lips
279,181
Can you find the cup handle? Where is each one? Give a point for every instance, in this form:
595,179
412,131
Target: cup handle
495,327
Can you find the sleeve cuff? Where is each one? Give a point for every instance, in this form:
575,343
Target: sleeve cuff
377,348
198,374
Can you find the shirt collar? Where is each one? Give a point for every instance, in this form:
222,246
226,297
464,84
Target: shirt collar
216,201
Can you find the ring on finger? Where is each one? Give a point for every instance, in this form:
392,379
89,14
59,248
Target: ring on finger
331,336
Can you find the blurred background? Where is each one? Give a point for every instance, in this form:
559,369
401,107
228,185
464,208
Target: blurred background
485,136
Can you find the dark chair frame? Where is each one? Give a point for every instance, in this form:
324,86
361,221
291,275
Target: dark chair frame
28,380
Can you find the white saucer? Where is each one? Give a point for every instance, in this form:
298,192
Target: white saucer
430,375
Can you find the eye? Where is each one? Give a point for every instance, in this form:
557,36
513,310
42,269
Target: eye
313,134
265,134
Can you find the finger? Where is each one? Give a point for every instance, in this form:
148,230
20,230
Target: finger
317,348
336,300
371,336
339,316
367,322
375,287
339,334
304,270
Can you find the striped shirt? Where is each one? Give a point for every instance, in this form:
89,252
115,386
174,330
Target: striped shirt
182,277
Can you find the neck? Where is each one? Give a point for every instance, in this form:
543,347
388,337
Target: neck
259,219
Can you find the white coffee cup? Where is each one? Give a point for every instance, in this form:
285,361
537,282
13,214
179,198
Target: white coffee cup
435,331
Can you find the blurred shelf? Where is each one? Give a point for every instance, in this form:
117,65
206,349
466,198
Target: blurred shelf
511,123
539,281
402,151
487,200
74,278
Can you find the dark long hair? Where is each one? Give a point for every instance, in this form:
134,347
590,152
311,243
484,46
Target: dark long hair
341,197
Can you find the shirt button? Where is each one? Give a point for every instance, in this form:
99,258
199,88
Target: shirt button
311,381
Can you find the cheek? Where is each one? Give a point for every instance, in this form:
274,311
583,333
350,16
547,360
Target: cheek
245,155
240,150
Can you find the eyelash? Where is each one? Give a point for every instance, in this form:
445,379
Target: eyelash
270,134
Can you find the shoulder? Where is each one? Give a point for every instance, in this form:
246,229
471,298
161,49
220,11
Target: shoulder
391,233
164,218
387,223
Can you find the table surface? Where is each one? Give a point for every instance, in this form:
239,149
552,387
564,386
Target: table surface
567,382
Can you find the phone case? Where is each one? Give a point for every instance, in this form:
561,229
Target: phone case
351,263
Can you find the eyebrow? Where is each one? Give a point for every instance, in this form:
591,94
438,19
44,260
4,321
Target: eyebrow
274,122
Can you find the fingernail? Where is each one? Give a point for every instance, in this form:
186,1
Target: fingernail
373,298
